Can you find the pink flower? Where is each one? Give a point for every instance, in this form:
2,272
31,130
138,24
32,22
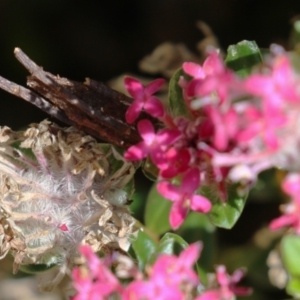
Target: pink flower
212,65
255,122
179,269
143,99
183,197
225,126
227,286
291,216
276,88
194,70
153,144
213,77
176,162
98,282
168,277
148,290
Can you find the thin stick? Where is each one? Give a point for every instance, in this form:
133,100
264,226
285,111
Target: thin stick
33,98
90,106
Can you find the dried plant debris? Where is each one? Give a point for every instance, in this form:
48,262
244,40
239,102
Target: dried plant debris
90,106
59,188
167,57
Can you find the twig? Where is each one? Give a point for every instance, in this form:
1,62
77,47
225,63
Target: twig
90,106
33,98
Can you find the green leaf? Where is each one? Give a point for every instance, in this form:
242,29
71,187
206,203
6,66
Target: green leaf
171,243
293,287
157,212
35,268
225,214
142,188
242,57
150,170
144,246
197,227
290,249
176,102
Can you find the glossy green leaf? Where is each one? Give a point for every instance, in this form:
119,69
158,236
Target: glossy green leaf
144,246
176,101
290,249
150,170
157,212
293,287
170,243
142,188
242,57
225,214
197,227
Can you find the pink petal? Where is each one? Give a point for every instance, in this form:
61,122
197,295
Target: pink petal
213,64
136,152
200,204
154,86
168,191
193,86
241,290
154,107
249,133
222,276
158,156
92,260
259,84
190,255
146,131
220,134
193,70
231,122
291,184
134,87
285,220
210,295
167,137
177,214
190,181
176,162
237,275
133,111
160,269
136,290
271,139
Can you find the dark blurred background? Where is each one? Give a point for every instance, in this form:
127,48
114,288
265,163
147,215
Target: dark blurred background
102,39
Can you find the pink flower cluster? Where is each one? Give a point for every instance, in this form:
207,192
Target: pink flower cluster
97,282
170,277
291,211
226,286
235,128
